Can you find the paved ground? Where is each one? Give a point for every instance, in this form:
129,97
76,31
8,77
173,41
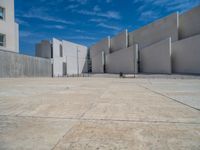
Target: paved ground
100,114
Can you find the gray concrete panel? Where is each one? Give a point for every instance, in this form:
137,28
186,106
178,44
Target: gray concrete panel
76,57
58,67
190,23
43,49
119,42
186,55
103,45
72,65
57,60
97,66
122,61
83,65
156,58
155,32
16,65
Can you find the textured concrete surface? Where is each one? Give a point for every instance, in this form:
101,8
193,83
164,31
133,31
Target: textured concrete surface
155,32
43,49
96,54
57,59
185,55
156,58
119,41
103,45
76,57
123,61
17,65
97,64
189,23
99,114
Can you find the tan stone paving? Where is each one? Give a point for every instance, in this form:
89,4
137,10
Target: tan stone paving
99,114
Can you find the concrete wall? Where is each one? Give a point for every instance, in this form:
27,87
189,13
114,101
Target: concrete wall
103,45
96,54
16,38
9,27
76,57
57,60
97,64
119,42
58,67
124,61
155,32
16,65
156,58
43,49
190,23
186,55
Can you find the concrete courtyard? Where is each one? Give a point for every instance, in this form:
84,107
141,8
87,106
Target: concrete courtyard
99,114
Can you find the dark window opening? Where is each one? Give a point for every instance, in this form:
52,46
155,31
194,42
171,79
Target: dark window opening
61,51
2,40
2,13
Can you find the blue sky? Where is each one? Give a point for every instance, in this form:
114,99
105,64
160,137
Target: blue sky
87,21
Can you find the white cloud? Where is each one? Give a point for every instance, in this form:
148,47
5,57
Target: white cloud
108,1
40,13
79,31
108,14
109,26
97,8
25,33
71,7
181,5
81,38
82,2
169,5
97,20
21,22
148,15
150,10
54,26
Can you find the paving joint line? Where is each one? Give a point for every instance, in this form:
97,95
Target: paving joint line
166,96
109,120
62,138
92,105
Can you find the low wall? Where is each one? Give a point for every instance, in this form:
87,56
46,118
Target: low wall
186,56
156,58
17,65
119,41
124,61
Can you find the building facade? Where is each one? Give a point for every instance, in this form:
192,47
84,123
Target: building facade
67,58
168,45
9,32
13,64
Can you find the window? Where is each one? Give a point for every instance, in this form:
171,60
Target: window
2,13
61,51
2,40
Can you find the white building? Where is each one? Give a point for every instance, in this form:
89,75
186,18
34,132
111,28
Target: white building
9,33
67,58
